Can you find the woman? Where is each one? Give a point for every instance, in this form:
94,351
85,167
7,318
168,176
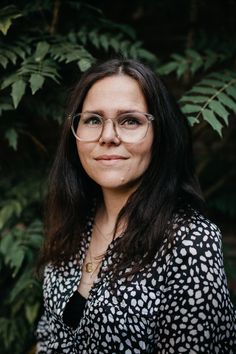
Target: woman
132,266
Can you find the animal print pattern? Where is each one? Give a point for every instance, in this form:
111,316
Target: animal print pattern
177,304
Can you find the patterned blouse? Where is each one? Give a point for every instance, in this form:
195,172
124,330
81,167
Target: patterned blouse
177,304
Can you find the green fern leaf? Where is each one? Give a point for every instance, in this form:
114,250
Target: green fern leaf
194,99
75,55
167,68
7,15
36,82
192,120
46,68
25,281
3,61
134,49
145,54
196,64
231,90
125,47
210,59
36,227
189,108
17,257
211,83
227,101
82,36
203,90
84,64
41,51
11,208
12,136
114,43
193,54
178,57
182,68
219,109
222,76
210,117
10,55
197,60
19,51
5,243
9,81
104,41
11,52
18,90
94,38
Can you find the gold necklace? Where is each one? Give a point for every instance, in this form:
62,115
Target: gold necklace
102,234
89,266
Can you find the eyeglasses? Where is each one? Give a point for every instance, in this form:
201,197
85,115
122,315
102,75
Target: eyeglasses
129,127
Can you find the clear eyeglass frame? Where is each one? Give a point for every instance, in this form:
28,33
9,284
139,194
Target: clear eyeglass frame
75,121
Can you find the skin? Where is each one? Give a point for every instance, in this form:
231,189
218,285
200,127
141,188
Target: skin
118,176
109,97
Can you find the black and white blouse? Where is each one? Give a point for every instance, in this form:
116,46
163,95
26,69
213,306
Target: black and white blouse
177,304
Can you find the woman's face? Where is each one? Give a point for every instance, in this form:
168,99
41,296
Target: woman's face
111,163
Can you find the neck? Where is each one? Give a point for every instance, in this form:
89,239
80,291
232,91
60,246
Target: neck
113,202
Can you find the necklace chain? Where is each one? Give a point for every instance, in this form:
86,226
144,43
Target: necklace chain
89,266
100,231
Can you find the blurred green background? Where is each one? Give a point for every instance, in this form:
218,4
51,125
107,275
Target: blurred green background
45,45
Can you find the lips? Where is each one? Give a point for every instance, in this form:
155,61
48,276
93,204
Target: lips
110,157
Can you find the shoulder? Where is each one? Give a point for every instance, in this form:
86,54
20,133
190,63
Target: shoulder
197,244
195,292
191,228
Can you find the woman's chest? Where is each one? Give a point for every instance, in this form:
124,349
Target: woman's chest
138,296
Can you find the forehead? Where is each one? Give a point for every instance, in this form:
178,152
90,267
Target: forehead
117,92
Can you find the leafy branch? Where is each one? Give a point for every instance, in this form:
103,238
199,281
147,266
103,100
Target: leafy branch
193,61
212,99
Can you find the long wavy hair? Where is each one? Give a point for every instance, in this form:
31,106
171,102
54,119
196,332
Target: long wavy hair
169,183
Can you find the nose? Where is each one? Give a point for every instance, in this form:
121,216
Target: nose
109,134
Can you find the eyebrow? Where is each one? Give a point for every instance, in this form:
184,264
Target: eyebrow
120,111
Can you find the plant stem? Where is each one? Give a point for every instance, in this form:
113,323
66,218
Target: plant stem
55,16
215,94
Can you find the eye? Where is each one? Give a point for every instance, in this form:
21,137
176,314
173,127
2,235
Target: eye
91,119
131,120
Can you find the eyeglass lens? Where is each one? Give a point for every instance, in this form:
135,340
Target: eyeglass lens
130,127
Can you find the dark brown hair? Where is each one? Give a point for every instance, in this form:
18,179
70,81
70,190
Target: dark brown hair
168,183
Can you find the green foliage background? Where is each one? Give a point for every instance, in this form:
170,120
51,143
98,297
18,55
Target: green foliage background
45,45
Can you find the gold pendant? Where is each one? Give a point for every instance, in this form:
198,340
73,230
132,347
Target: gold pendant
89,267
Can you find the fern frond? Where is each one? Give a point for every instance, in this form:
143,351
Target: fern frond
117,43
33,73
64,51
10,53
46,68
212,99
192,61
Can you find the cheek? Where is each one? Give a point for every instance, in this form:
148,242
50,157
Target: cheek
140,162
145,160
144,152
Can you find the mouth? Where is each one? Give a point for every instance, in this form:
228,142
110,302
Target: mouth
110,158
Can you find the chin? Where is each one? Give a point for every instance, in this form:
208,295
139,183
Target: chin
122,186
